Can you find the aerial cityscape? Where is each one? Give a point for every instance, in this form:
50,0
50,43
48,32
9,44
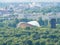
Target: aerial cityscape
30,23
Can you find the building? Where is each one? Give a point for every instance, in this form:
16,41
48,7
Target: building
53,23
34,23
28,24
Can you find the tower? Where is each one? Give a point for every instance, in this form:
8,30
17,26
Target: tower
53,23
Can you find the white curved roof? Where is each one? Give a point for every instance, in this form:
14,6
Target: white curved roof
35,23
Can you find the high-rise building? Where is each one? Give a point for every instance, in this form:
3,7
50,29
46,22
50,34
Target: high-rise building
53,23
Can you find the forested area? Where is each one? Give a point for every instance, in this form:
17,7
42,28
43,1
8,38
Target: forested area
10,35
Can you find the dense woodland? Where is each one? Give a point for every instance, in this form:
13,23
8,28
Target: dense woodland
34,36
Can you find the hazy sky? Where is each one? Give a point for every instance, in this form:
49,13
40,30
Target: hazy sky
29,0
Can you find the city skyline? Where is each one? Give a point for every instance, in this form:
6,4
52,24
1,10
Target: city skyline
8,1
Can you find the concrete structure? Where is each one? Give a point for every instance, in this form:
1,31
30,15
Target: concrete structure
28,24
34,23
53,23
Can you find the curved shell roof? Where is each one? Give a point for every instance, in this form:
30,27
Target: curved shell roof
35,23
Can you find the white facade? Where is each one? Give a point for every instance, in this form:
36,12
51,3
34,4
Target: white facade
34,23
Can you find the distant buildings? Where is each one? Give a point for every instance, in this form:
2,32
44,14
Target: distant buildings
20,8
32,11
